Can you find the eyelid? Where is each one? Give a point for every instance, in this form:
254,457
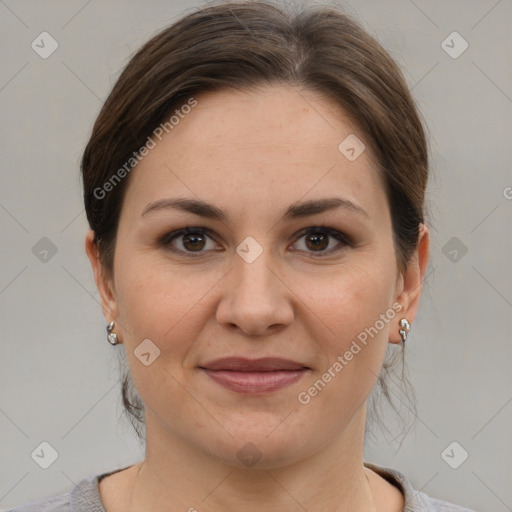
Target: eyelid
166,240
340,236
335,233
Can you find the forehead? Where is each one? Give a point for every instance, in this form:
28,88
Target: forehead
259,148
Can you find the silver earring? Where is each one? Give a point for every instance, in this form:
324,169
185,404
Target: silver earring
111,336
405,328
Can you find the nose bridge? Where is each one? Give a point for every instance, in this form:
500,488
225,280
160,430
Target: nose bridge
255,298
255,273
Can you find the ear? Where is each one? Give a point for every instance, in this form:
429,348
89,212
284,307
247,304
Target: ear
412,278
104,283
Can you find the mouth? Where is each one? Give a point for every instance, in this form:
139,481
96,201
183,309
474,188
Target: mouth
254,376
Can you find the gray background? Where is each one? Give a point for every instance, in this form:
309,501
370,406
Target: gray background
59,380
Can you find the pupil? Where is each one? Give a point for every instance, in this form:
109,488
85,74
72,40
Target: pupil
194,240
318,238
318,241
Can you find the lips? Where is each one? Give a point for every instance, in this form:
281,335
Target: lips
241,364
254,376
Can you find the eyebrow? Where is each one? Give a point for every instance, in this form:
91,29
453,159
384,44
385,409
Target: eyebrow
295,211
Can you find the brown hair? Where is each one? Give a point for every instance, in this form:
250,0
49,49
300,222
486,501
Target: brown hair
241,45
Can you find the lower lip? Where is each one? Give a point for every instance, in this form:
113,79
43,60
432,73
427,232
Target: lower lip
255,382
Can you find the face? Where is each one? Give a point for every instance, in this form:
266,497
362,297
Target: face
249,280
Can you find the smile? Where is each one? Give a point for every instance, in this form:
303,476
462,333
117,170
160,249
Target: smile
258,376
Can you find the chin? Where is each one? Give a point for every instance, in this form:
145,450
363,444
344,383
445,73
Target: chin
257,447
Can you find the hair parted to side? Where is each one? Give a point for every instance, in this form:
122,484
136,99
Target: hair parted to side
246,44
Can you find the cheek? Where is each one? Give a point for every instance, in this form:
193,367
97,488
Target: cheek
357,308
357,311
163,302
155,305
153,302
354,298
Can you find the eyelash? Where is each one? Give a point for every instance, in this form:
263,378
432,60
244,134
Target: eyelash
341,237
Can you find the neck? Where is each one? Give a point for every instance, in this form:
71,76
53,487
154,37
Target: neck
176,476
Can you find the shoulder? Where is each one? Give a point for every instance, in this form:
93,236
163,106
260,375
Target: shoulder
83,497
57,503
415,501
434,505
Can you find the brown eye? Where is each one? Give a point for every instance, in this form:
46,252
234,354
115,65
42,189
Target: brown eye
188,241
317,240
193,242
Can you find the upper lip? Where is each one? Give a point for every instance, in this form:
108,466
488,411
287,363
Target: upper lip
242,364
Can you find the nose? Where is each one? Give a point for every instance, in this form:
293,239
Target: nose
255,297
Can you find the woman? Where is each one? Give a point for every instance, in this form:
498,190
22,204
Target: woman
254,186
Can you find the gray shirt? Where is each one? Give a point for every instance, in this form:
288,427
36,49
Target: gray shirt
85,496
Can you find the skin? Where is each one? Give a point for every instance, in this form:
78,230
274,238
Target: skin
263,150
